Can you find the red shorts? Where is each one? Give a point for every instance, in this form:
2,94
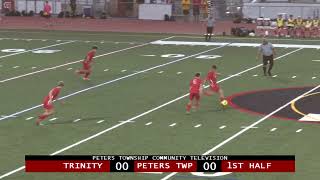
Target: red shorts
86,66
194,95
47,105
215,87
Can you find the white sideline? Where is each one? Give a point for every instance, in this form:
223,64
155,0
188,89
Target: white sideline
135,117
13,54
74,62
248,127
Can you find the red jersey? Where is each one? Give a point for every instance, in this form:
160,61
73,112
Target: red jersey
89,56
212,77
53,94
195,85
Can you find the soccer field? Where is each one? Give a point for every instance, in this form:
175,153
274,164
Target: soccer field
135,101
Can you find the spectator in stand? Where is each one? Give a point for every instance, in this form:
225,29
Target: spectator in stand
186,8
299,29
290,26
315,27
196,9
308,27
47,12
280,25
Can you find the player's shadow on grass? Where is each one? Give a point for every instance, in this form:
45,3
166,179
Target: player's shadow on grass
82,120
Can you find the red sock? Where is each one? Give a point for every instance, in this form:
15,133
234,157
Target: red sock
188,107
87,75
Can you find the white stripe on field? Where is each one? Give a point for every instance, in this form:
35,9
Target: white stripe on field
198,125
76,120
299,130
29,118
171,125
100,121
273,129
149,123
53,119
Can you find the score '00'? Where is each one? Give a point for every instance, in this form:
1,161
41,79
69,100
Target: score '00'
122,166
209,166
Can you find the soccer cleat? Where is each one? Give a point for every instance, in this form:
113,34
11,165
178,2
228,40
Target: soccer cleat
86,79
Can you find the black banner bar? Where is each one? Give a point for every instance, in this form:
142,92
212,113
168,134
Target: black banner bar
160,157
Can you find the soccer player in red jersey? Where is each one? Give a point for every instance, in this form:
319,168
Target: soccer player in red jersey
86,69
195,90
214,87
48,102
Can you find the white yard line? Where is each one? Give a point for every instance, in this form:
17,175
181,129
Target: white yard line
76,120
198,125
273,129
13,54
101,121
173,124
74,62
222,127
29,118
133,118
149,123
53,119
299,130
249,127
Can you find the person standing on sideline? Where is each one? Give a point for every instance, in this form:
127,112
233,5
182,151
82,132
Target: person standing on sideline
47,12
210,27
268,52
196,10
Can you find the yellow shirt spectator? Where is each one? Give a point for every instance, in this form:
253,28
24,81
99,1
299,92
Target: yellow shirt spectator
291,22
308,24
185,4
280,22
299,22
315,22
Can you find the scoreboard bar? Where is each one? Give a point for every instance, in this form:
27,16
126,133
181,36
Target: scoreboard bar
160,163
